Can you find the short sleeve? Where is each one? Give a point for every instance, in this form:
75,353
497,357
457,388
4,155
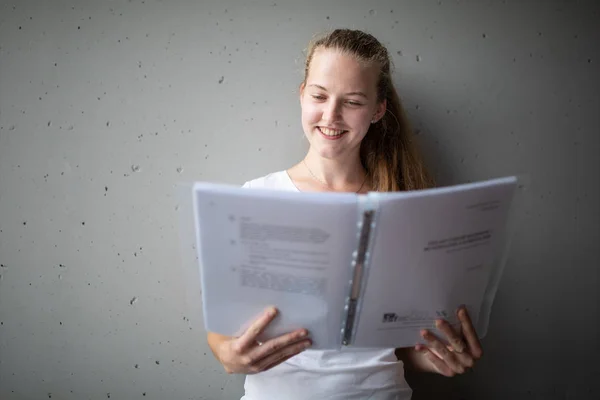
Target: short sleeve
246,185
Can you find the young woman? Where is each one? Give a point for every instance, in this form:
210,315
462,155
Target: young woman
360,141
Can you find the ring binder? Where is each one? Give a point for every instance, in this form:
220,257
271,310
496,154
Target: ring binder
360,259
391,263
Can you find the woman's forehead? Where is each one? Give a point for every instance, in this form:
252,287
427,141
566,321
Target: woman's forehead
330,67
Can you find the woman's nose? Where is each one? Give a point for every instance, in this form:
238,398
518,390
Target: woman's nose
331,112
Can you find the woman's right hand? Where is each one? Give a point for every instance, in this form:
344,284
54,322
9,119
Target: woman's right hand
244,355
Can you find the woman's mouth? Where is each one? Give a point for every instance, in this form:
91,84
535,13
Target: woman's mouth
331,134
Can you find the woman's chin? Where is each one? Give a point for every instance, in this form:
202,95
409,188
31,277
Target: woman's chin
325,151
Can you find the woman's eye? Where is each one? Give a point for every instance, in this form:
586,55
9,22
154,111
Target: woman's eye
320,97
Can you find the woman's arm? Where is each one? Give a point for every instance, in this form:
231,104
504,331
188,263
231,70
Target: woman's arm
215,342
413,360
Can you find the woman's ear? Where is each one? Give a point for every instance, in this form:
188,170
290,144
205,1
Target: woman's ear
380,110
301,89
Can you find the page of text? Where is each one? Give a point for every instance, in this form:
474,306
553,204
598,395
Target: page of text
290,250
431,253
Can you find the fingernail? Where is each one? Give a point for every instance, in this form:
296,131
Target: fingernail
303,333
424,333
272,311
438,323
307,344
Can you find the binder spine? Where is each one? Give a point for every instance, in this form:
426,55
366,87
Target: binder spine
360,258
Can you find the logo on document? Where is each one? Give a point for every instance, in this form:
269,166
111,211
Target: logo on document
390,317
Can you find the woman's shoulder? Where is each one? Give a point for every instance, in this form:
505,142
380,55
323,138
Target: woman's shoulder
274,180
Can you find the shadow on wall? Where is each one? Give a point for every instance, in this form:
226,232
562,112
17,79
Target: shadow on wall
435,387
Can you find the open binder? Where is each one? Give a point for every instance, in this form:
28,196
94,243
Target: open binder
355,270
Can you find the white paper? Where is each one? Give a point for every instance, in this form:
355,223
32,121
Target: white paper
432,251
262,247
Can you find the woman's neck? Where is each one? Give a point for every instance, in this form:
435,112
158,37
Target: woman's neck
342,173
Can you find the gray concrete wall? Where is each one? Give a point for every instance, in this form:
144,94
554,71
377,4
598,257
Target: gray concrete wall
106,105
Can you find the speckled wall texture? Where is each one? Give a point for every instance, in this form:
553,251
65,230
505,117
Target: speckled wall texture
106,105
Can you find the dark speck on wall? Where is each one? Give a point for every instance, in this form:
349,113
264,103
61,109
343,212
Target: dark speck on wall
222,79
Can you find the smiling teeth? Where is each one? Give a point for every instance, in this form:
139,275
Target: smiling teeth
331,132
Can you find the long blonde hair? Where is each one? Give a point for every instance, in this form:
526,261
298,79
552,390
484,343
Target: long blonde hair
388,152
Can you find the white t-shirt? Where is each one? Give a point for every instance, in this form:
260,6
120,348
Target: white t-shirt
347,374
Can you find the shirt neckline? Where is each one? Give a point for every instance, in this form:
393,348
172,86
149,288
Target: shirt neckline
290,181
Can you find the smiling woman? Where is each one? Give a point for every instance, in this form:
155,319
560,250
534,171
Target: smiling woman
348,99
360,141
339,101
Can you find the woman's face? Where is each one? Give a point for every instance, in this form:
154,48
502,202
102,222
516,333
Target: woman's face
339,101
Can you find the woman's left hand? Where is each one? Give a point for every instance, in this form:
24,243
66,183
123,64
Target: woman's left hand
453,355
